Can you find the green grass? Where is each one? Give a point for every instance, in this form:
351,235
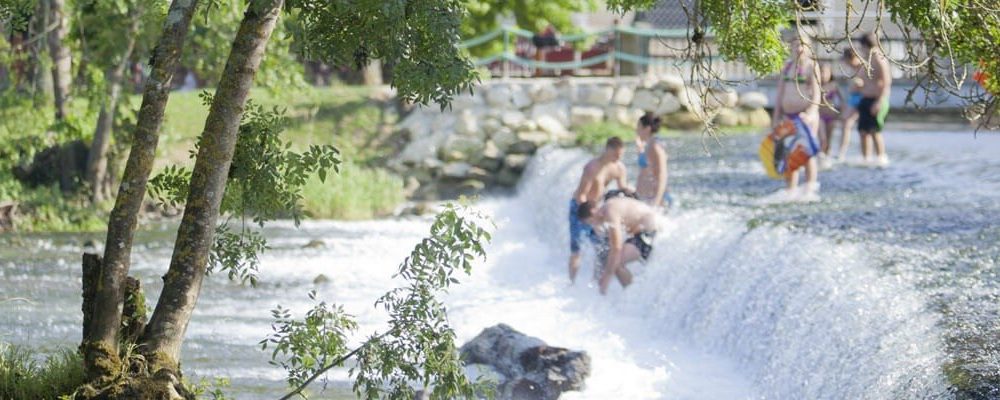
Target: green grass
355,193
24,376
595,135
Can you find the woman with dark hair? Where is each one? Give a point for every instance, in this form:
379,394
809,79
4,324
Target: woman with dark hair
651,186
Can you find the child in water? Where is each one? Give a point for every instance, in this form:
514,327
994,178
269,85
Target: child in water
829,113
849,111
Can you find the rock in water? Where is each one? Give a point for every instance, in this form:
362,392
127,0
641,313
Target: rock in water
526,367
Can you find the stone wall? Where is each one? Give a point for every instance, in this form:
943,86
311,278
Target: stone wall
487,138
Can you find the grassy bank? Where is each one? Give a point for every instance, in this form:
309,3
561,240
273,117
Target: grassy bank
24,376
343,116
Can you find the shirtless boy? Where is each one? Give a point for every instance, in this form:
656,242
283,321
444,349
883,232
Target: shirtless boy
630,226
597,173
875,99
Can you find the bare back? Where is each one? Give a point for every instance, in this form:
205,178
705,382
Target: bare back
877,78
631,215
652,181
596,176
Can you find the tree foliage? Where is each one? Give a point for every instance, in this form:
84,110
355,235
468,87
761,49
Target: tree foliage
420,38
418,346
534,15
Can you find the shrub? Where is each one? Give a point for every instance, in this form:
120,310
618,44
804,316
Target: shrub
355,193
22,376
594,135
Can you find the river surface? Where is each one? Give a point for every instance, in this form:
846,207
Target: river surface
886,289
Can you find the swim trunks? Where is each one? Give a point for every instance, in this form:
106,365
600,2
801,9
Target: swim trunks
868,122
644,242
613,193
577,228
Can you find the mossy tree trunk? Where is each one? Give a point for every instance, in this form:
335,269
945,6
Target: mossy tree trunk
100,346
59,52
97,158
182,283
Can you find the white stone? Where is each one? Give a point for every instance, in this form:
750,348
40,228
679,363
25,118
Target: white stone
623,115
623,96
456,170
469,147
727,117
513,119
721,98
491,125
690,100
443,122
559,110
670,82
467,124
504,138
551,125
417,124
584,115
645,100
491,150
537,137
466,101
543,92
753,100
516,161
519,98
668,104
596,95
498,96
422,148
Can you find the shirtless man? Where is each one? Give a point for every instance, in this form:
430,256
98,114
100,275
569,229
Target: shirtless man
630,226
596,175
875,99
798,101
651,187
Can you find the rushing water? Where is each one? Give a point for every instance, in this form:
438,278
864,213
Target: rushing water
887,289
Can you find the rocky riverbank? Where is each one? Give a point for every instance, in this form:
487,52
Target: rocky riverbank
486,138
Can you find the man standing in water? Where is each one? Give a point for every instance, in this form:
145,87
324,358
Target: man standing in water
798,99
874,104
651,187
630,226
596,175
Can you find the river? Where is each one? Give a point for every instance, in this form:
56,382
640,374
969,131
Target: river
886,289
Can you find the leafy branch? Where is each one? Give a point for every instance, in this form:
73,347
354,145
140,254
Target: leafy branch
419,345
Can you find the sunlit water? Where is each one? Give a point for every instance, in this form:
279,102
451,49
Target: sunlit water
887,289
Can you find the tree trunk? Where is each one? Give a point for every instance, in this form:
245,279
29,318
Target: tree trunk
59,52
182,283
372,74
97,159
40,84
102,339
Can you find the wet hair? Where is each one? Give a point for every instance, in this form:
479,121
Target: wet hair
848,54
614,142
585,210
650,120
868,40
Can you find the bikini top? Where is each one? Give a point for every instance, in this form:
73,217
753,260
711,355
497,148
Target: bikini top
643,162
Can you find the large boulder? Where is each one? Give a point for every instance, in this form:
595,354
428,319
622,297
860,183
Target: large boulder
458,147
456,170
721,98
466,101
504,138
422,148
668,104
467,124
623,96
670,83
598,95
690,99
519,97
623,115
758,118
552,126
498,96
683,120
513,119
753,100
490,125
583,115
645,100
543,92
417,125
516,162
525,367
556,109
727,117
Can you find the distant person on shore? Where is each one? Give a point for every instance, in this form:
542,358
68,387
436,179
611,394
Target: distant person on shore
849,113
630,226
830,112
874,104
597,174
796,112
651,186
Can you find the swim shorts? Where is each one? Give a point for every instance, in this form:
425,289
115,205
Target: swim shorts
644,242
578,228
868,122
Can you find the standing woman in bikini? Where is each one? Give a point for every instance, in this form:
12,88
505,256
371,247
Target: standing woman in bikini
798,99
651,186
829,113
